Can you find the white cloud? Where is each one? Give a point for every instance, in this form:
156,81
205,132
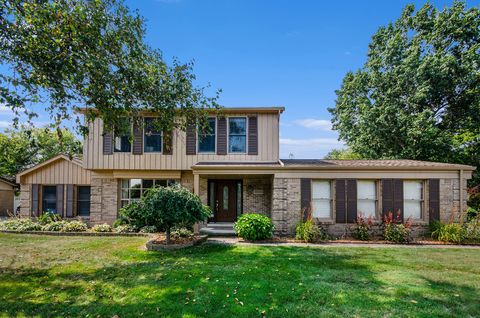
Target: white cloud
5,123
5,110
311,123
308,148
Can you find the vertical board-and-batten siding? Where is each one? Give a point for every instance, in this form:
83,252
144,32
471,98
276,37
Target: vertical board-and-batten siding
268,150
58,172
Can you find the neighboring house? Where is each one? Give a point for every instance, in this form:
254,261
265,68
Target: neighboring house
236,169
7,196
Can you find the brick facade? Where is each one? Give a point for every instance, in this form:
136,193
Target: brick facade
25,199
286,211
257,194
104,203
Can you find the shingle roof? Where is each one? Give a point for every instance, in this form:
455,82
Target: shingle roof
400,163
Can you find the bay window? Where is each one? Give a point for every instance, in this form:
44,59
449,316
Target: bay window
135,189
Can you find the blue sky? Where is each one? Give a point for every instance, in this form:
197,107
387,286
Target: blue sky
271,52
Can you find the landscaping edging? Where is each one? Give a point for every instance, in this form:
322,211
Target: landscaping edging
75,233
151,246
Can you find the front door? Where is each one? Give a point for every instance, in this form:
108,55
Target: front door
225,201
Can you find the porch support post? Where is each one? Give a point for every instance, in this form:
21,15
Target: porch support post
196,184
196,190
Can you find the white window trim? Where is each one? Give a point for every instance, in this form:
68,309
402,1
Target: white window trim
143,140
332,195
377,194
422,202
246,135
198,140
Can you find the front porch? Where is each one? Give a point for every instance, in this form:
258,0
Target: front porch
229,196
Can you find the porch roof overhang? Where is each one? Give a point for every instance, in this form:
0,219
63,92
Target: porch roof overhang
305,167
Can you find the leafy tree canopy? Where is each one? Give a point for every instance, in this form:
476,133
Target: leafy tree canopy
343,154
418,94
23,148
91,54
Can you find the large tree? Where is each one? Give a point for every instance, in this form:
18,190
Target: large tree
26,147
418,94
91,53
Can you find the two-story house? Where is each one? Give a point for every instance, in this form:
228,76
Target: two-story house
236,169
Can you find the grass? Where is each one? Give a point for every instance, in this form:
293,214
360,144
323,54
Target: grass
48,276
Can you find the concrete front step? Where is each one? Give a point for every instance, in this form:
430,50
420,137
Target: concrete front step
218,229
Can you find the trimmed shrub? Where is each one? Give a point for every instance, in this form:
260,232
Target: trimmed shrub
362,230
395,231
56,226
309,232
254,227
49,217
127,228
20,224
75,226
149,229
166,207
472,213
102,228
472,231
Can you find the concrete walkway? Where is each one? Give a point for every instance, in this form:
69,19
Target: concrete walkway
235,241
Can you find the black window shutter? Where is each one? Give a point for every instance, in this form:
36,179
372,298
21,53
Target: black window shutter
253,135
351,200
107,143
60,199
434,199
69,210
340,201
191,139
305,197
167,143
222,136
387,197
137,148
35,200
398,198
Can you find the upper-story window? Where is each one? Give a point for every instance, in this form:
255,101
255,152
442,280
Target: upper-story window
413,199
122,137
237,134
206,142
153,136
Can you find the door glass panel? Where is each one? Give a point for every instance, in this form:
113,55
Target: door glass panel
225,197
239,198
212,195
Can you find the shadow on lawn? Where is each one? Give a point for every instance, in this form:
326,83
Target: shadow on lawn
283,281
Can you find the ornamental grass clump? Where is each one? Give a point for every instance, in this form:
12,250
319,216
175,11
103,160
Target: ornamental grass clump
394,230
309,232
254,227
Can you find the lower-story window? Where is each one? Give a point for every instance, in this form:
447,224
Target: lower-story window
366,198
412,199
83,200
49,199
321,199
134,189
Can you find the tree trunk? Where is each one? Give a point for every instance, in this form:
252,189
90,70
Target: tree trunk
167,235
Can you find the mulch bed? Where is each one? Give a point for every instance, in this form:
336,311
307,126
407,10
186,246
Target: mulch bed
159,243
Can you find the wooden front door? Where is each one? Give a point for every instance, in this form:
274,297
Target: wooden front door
226,201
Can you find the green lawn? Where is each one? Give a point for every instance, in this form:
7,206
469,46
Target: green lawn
50,276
